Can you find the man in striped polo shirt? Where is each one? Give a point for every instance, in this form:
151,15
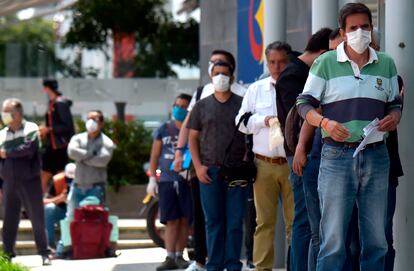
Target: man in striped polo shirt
352,85
20,170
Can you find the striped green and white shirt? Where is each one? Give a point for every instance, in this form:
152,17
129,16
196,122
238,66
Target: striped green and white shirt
22,153
349,95
11,141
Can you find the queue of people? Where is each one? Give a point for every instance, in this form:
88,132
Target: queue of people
302,125
338,202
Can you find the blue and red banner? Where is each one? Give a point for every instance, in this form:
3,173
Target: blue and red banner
250,52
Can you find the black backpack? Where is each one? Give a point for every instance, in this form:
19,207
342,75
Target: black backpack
292,128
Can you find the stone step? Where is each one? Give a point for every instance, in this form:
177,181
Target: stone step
128,229
132,235
29,247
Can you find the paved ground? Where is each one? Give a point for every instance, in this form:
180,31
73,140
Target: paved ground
129,260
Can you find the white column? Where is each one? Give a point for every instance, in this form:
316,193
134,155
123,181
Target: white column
399,43
324,14
275,30
274,23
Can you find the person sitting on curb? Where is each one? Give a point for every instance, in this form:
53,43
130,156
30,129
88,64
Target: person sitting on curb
55,202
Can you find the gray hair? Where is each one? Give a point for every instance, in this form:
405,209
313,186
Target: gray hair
15,103
278,46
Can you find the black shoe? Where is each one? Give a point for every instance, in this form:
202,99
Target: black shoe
110,252
46,260
181,263
168,264
250,265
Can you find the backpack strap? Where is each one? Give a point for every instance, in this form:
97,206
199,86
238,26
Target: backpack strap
199,92
227,152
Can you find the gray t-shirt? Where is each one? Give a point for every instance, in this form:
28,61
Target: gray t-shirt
216,123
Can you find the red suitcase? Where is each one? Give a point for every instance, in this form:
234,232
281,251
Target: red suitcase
90,231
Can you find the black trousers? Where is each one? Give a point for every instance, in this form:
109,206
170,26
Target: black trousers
250,223
29,194
199,229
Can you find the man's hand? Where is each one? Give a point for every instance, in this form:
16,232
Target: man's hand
336,130
3,153
389,122
152,186
299,160
202,174
266,120
43,131
178,161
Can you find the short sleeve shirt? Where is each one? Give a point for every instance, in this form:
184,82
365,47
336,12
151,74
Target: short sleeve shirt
216,123
168,135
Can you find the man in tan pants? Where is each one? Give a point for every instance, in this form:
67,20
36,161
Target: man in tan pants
272,168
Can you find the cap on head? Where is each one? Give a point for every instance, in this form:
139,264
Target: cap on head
70,170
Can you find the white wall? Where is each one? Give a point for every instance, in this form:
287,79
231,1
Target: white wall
148,99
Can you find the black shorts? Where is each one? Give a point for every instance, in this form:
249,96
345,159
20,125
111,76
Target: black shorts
54,161
175,201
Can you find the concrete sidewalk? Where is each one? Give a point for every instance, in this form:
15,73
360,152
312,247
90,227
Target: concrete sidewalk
130,260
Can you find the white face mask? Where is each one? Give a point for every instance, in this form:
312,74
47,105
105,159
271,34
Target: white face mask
210,67
359,40
91,126
221,83
6,118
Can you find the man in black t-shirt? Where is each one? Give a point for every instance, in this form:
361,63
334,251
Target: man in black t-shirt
288,87
212,128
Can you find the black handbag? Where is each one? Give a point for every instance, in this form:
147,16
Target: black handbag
241,174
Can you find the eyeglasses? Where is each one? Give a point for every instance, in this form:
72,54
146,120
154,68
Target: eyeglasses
238,183
95,119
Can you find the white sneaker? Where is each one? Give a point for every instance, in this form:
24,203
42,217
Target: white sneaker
195,267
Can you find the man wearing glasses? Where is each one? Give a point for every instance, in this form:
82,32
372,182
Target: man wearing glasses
272,169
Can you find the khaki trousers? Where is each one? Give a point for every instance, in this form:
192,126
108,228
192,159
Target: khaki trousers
271,180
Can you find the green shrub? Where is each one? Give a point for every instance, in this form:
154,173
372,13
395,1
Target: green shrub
133,146
5,265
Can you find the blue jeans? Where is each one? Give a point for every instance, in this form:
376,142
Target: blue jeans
224,210
342,181
301,233
392,197
310,187
76,195
53,214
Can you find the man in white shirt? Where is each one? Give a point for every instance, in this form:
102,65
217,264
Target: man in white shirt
272,168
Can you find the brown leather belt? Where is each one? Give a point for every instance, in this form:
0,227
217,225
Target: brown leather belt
277,160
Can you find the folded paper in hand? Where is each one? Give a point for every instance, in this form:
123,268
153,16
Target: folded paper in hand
371,134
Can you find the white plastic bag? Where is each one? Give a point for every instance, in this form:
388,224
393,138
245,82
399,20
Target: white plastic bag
275,134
